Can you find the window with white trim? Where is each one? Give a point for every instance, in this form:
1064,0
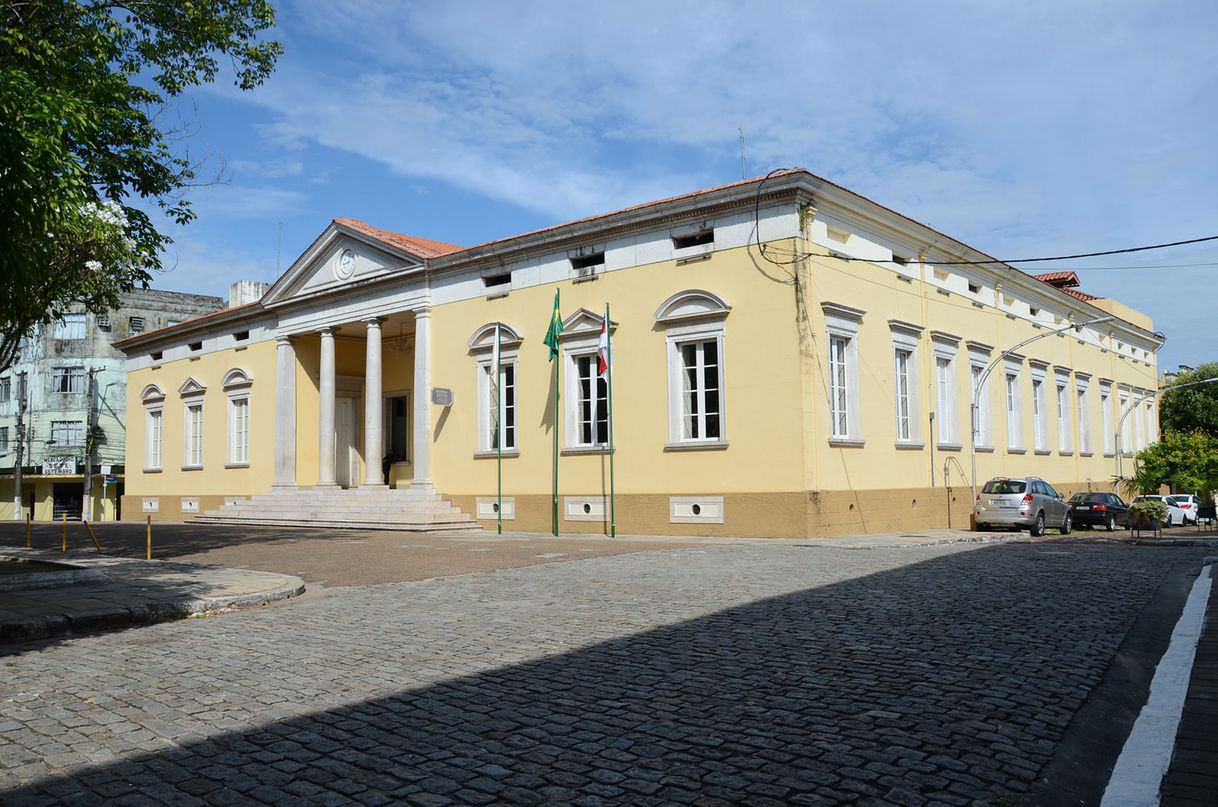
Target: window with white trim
1040,417
192,393
67,380
694,322
1084,418
1014,424
945,347
1139,417
154,426
843,323
497,404
3,439
905,339
1106,418
979,358
6,389
68,433
1125,426
237,385
1065,424
587,392
70,326
1151,422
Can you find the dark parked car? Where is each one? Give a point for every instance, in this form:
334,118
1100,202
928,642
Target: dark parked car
1099,510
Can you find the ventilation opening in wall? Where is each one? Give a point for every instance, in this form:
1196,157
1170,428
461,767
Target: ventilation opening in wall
495,281
1033,311
155,355
103,322
135,324
900,260
241,336
703,238
586,266
837,234
974,288
195,347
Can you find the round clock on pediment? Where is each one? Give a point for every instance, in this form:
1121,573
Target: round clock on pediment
346,264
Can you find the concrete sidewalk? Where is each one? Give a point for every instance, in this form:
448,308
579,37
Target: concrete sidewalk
129,592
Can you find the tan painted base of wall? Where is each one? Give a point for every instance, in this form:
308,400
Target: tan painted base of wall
170,507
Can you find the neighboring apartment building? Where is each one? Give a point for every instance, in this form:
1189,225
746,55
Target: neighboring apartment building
74,385
791,359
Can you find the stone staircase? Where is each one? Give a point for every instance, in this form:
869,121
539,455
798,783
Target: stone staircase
411,509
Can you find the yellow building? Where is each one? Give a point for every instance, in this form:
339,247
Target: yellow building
790,359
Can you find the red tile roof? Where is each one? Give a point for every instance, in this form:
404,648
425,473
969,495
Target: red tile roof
423,247
1059,279
1082,295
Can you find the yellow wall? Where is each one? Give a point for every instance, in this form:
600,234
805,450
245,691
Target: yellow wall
762,397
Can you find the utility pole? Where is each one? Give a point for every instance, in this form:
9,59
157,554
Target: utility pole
86,508
17,503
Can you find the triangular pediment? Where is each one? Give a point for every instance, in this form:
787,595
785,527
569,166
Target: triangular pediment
191,387
584,321
339,258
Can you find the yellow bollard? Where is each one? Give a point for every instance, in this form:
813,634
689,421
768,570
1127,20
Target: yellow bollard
94,537
27,530
149,538
65,533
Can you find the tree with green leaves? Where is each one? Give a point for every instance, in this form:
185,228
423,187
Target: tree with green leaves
1194,407
1186,462
82,83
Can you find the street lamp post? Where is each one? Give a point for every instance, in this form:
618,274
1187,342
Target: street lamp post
985,374
1119,449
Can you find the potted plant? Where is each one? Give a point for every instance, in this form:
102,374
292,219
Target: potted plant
1147,514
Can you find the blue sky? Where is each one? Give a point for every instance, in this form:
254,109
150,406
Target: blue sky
1024,129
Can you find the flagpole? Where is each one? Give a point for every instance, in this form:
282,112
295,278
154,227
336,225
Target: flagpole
609,396
499,422
557,370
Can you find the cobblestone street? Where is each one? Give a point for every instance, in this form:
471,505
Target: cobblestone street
762,673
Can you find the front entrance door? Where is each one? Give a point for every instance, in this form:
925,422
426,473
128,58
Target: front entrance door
346,455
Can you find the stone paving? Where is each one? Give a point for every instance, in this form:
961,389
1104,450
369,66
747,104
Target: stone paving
766,674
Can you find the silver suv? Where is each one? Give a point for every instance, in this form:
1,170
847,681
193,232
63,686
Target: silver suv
1026,502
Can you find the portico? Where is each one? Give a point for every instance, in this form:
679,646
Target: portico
395,424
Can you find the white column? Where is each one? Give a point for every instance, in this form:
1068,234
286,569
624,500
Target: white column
326,445
422,399
285,412
374,442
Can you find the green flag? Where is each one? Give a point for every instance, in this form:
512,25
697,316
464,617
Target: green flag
555,330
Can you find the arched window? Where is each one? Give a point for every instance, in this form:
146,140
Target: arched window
496,349
237,384
694,324
153,398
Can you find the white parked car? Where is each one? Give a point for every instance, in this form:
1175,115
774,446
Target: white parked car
1189,504
1175,513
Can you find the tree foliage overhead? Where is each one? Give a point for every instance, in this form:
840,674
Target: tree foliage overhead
81,86
1194,407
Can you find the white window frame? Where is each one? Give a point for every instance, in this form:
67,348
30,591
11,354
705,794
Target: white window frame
842,363
946,414
6,389
1106,419
237,384
70,326
1065,419
1139,417
906,338
154,427
75,380
979,359
1040,417
1123,397
1083,402
690,317
1012,373
679,382
68,433
3,439
192,394
482,347
585,355
1152,422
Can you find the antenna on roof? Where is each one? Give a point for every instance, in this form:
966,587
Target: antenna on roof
278,248
743,169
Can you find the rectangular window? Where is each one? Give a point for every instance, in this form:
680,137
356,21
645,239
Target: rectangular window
6,390
1138,416
904,403
704,238
496,281
103,322
839,401
1106,419
3,439
70,326
701,397
982,415
152,444
67,379
501,408
239,431
68,433
194,435
1084,423
1126,441
1040,417
945,384
1014,428
592,404
1064,437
